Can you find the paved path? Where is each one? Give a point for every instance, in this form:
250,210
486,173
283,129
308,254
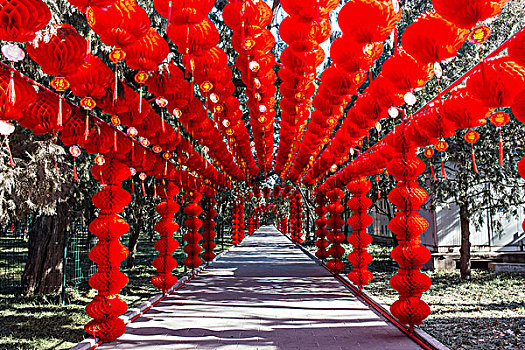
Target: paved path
263,294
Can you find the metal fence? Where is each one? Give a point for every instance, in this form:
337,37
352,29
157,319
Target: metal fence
14,244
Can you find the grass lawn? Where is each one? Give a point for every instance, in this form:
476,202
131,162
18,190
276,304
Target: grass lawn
486,312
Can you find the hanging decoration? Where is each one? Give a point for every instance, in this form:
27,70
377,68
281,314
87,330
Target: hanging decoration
166,244
408,225
21,19
108,254
236,236
471,137
296,230
335,236
359,239
193,223
321,232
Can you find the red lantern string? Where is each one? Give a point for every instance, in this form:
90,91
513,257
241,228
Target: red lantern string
166,244
209,233
321,232
335,236
235,224
408,225
295,217
360,239
193,237
108,254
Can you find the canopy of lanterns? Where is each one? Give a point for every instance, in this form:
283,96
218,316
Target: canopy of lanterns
180,117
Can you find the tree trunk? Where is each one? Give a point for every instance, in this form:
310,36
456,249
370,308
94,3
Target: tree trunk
135,227
132,246
44,272
464,259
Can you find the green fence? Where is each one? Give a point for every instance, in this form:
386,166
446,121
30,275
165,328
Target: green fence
13,256
79,268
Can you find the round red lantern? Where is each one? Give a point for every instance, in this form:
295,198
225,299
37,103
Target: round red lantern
21,19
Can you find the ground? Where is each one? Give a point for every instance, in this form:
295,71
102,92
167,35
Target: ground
491,304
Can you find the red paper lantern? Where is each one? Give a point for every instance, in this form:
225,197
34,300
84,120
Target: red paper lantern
466,13
433,39
516,48
184,11
83,5
518,106
148,52
368,21
21,19
43,116
92,78
62,54
121,24
497,81
14,101
309,10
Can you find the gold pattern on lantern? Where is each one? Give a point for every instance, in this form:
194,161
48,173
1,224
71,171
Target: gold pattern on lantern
88,103
206,86
60,84
141,77
479,35
117,55
115,120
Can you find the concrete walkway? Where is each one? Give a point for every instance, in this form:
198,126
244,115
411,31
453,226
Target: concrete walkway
263,294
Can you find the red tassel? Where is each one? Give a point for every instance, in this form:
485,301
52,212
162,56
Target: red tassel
88,53
59,117
474,165
86,131
166,169
140,100
187,58
75,175
12,227
432,172
501,162
154,190
115,88
169,16
143,189
378,193
243,38
132,151
115,148
11,161
395,38
443,169
56,165
132,188
11,92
